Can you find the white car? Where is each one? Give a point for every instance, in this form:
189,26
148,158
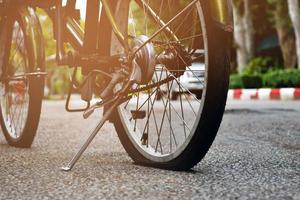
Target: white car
192,81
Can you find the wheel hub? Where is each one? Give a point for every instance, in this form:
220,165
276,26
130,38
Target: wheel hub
145,59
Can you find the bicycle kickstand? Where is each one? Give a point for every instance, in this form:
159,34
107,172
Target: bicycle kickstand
105,117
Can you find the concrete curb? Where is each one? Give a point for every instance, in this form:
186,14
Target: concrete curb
265,94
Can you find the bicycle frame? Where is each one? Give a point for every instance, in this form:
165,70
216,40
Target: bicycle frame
85,42
88,42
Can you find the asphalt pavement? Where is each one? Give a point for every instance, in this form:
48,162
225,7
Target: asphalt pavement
256,155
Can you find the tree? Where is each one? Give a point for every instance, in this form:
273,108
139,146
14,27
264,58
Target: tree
244,32
294,11
279,10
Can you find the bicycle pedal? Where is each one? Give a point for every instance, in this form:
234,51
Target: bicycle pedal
138,114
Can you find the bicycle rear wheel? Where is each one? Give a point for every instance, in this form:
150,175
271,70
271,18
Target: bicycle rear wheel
20,95
154,129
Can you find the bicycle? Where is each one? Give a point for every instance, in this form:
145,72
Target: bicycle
128,51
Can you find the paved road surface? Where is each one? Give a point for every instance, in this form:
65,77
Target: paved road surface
256,155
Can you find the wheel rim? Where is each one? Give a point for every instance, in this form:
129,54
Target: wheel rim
14,101
169,125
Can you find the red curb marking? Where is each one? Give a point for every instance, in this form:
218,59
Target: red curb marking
255,96
275,94
237,94
297,94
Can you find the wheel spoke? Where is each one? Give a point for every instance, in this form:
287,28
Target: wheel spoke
154,118
168,116
166,25
184,122
156,17
139,108
181,108
185,89
169,119
164,43
165,112
137,105
180,57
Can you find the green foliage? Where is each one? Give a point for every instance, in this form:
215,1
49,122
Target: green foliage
59,87
276,78
260,72
238,81
252,74
282,78
251,81
259,65
235,82
47,27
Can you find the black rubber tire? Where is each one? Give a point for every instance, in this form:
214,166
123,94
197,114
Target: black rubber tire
36,86
219,42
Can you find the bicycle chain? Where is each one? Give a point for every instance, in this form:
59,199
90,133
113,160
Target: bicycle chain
147,87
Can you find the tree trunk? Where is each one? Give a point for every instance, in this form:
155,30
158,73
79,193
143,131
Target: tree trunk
239,37
294,11
287,45
249,30
286,39
243,32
